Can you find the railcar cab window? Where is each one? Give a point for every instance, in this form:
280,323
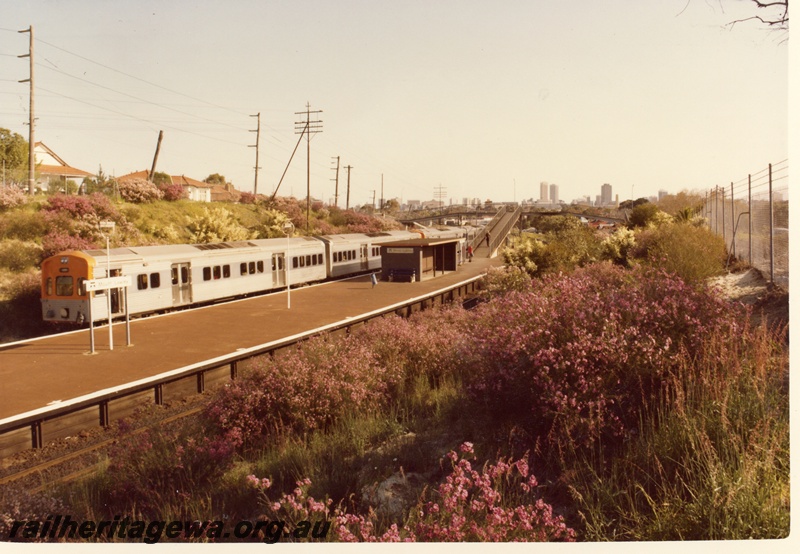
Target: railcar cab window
64,285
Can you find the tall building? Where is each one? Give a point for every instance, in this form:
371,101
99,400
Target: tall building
605,195
554,193
543,192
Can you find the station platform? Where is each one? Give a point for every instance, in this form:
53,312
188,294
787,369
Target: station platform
39,372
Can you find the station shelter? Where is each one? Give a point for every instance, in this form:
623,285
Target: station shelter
418,259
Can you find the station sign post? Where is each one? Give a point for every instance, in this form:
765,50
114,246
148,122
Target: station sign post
106,284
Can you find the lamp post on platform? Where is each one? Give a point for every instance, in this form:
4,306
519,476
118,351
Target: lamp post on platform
108,226
288,228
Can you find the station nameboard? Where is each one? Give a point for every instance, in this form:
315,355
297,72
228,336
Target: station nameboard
399,250
108,283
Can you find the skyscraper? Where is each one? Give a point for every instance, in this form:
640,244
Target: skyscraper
543,192
605,194
554,194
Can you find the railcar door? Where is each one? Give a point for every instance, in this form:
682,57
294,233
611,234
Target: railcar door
181,285
364,257
117,295
278,272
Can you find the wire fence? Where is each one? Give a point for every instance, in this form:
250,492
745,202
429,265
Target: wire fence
752,216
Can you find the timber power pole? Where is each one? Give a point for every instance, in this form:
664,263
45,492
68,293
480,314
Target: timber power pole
308,127
347,205
336,180
257,131
155,156
381,193
31,118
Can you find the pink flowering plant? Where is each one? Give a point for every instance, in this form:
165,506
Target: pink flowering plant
496,504
579,355
298,391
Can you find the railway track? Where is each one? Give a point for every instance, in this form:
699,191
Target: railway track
77,464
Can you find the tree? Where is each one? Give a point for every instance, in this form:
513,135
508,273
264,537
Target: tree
14,152
215,179
775,14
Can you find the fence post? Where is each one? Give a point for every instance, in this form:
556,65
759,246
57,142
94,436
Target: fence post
723,215
733,222
771,233
749,221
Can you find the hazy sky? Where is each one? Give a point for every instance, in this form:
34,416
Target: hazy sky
484,98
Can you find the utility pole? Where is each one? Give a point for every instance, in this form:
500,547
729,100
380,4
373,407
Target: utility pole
347,205
381,193
373,200
155,156
336,180
258,137
439,193
308,127
31,140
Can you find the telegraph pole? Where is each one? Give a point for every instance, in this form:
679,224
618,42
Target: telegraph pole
258,137
439,193
373,200
31,143
336,180
381,193
308,127
347,205
155,156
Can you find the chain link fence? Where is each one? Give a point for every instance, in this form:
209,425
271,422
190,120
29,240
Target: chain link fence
752,216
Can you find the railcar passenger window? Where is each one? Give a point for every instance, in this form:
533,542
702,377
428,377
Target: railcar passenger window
251,267
155,280
260,266
141,281
308,259
206,274
64,286
243,268
217,272
226,271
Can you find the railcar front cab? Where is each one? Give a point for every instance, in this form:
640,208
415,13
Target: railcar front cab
64,296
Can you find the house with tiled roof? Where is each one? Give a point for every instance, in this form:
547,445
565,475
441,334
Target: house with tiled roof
51,168
196,190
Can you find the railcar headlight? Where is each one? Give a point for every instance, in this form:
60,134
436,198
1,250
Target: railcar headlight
64,313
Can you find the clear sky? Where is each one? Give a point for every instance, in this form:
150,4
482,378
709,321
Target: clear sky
486,98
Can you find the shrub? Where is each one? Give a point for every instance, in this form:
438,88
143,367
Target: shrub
567,246
97,205
160,471
618,247
216,225
497,504
578,356
502,280
139,191
694,253
58,241
17,255
19,504
172,192
11,197
647,214
23,224
299,391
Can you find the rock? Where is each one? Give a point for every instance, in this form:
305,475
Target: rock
394,496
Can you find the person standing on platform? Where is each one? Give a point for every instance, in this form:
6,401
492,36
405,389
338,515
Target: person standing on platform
374,280
487,239
469,252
